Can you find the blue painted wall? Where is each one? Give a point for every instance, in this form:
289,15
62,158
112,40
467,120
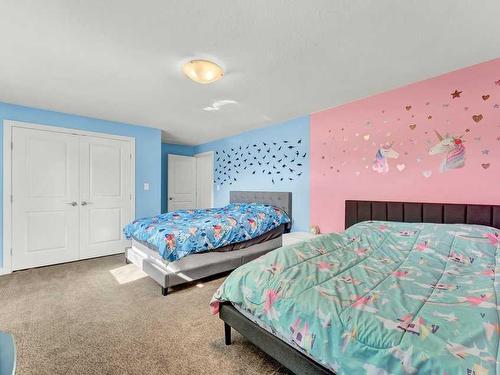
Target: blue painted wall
166,149
147,151
283,153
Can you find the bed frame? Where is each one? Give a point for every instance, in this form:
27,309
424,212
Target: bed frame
197,266
355,212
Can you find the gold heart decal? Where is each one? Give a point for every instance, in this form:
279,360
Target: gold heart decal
408,107
477,118
413,126
485,97
485,165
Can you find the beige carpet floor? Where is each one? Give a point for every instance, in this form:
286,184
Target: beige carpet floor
78,318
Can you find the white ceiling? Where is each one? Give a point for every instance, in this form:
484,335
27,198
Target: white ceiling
120,59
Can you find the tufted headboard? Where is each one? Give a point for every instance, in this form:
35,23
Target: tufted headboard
281,200
411,212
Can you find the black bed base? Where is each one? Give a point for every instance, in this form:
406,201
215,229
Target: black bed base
288,356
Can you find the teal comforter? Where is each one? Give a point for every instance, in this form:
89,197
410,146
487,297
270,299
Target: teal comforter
381,298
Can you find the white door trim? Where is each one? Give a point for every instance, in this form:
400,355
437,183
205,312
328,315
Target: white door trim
7,204
7,176
210,154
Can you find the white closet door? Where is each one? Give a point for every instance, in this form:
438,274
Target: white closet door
105,195
45,222
181,182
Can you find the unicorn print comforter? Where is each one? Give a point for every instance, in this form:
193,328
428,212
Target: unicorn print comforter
180,233
381,298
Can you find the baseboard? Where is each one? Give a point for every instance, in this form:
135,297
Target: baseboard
4,271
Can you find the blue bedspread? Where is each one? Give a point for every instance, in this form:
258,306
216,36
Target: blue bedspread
180,233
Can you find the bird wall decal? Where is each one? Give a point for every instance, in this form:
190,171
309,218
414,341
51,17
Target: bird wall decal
235,163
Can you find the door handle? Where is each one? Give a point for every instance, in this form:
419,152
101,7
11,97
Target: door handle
74,204
84,203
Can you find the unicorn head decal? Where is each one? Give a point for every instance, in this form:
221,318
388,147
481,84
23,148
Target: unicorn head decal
385,152
454,149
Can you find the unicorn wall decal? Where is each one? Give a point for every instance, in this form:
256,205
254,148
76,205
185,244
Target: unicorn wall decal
385,152
454,149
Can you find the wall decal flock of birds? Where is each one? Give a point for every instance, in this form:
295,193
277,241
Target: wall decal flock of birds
281,161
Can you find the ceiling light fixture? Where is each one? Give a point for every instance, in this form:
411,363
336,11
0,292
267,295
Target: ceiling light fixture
202,71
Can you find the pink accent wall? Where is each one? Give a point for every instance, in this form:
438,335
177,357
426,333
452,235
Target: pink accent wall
345,140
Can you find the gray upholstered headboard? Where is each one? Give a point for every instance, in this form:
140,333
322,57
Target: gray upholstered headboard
411,212
281,200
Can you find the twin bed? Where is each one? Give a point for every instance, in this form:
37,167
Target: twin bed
407,288
183,246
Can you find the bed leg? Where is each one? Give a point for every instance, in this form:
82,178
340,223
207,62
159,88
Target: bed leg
164,291
127,261
227,334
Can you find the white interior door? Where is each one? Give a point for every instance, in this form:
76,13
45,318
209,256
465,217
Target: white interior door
204,179
45,217
105,195
181,182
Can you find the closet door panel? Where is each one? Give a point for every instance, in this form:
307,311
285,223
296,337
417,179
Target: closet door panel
105,195
45,219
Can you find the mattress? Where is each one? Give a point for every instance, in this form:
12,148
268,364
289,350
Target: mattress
184,232
273,233
381,298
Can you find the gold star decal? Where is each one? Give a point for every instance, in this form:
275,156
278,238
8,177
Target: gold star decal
456,94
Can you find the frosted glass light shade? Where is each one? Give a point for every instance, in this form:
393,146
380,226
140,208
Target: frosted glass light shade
202,71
